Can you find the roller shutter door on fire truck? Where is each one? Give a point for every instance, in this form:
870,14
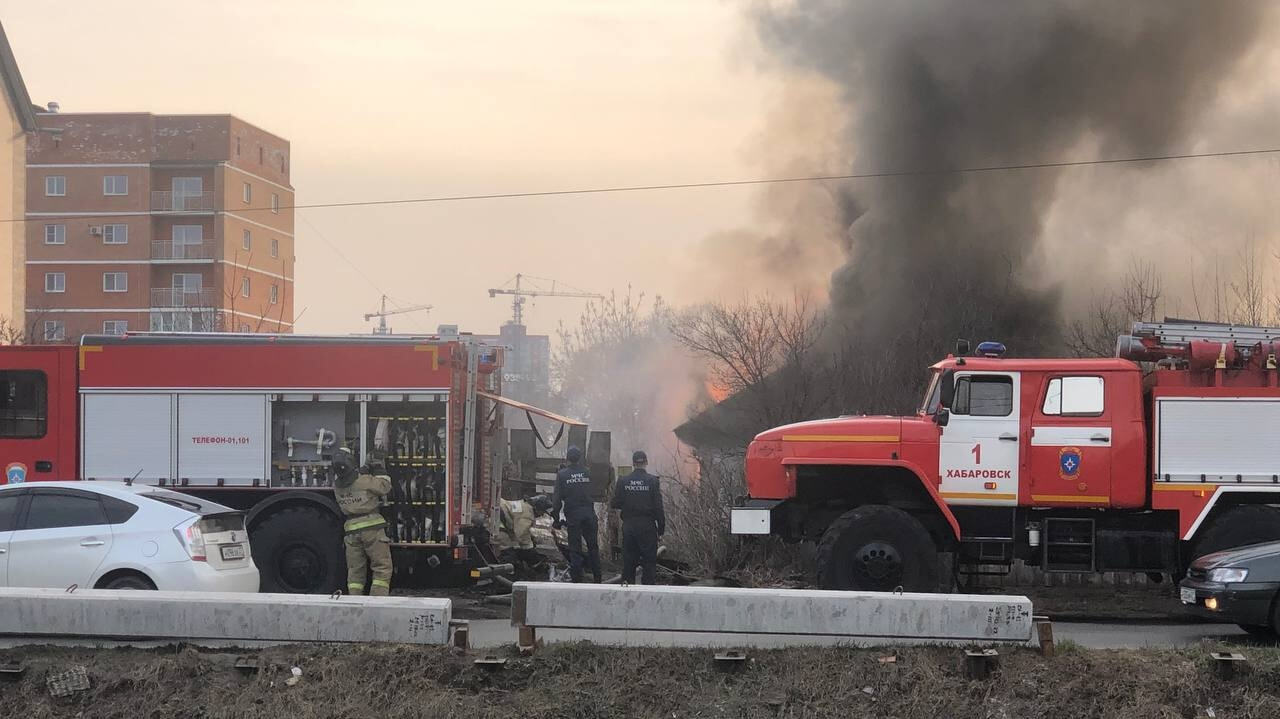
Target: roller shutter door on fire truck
222,437
127,435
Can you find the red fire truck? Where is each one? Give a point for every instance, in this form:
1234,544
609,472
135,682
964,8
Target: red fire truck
252,422
1137,463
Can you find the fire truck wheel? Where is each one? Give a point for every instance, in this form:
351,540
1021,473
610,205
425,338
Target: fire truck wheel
877,548
298,550
1238,526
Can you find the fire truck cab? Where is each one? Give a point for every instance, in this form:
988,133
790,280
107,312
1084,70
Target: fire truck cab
1137,463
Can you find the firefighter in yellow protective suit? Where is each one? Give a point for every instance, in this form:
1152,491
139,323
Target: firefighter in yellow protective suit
359,494
515,539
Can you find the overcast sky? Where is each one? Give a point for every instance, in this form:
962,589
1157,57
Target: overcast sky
392,99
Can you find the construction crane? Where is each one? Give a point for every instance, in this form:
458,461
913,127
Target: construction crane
383,313
520,294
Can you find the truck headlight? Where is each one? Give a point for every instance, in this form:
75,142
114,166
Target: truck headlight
1227,575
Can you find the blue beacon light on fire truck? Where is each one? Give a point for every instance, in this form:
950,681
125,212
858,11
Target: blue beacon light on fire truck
990,349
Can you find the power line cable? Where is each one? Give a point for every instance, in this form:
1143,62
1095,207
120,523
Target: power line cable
344,258
723,183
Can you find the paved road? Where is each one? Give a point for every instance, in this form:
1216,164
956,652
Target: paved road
1133,636
488,633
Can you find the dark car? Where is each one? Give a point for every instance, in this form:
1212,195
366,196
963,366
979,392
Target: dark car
1237,585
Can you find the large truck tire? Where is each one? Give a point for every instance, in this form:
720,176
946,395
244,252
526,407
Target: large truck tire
877,548
298,550
1238,527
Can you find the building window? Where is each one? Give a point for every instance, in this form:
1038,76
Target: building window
246,240
244,328
262,155
247,193
275,203
275,248
275,294
115,282
115,185
55,282
244,287
186,242
188,234
115,234
24,404
55,234
115,327
55,186
237,146
187,282
54,331
187,194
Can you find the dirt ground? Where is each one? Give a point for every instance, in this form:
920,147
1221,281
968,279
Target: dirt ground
587,681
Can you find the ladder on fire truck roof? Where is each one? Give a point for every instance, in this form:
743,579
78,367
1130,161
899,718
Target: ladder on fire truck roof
1171,332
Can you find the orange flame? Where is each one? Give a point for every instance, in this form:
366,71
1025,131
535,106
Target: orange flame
716,392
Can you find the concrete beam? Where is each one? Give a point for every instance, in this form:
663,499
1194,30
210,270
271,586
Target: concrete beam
223,616
716,616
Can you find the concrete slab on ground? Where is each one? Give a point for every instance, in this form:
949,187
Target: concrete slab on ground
493,633
696,616
223,616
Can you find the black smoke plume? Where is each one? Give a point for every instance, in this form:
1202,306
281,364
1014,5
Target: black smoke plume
938,85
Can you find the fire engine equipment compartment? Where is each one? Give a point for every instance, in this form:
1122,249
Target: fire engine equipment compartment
305,432
412,437
1217,439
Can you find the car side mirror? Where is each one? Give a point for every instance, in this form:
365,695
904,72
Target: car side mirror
947,393
942,417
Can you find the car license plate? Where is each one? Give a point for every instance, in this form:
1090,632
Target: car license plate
1188,595
236,551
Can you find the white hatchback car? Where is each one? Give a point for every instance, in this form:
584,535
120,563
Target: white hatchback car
111,535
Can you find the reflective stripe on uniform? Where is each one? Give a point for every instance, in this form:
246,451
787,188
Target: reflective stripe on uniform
353,587
356,524
381,583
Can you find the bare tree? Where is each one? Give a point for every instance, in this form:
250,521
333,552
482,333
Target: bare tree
1248,289
12,333
763,352
618,370
1139,298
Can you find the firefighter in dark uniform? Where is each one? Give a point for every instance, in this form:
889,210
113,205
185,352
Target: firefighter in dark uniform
573,495
639,496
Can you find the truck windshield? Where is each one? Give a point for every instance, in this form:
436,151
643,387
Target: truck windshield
932,394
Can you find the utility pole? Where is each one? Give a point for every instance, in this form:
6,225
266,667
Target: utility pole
519,294
383,313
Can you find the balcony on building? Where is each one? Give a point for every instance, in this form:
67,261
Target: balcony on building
168,251
165,297
185,321
166,201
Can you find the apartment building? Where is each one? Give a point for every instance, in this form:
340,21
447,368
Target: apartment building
143,222
17,118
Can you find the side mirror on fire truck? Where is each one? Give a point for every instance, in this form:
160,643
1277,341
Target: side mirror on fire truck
947,393
942,417
962,348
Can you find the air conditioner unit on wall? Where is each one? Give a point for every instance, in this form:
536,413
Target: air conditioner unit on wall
95,230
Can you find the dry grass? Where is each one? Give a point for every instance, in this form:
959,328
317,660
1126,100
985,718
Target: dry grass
587,681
